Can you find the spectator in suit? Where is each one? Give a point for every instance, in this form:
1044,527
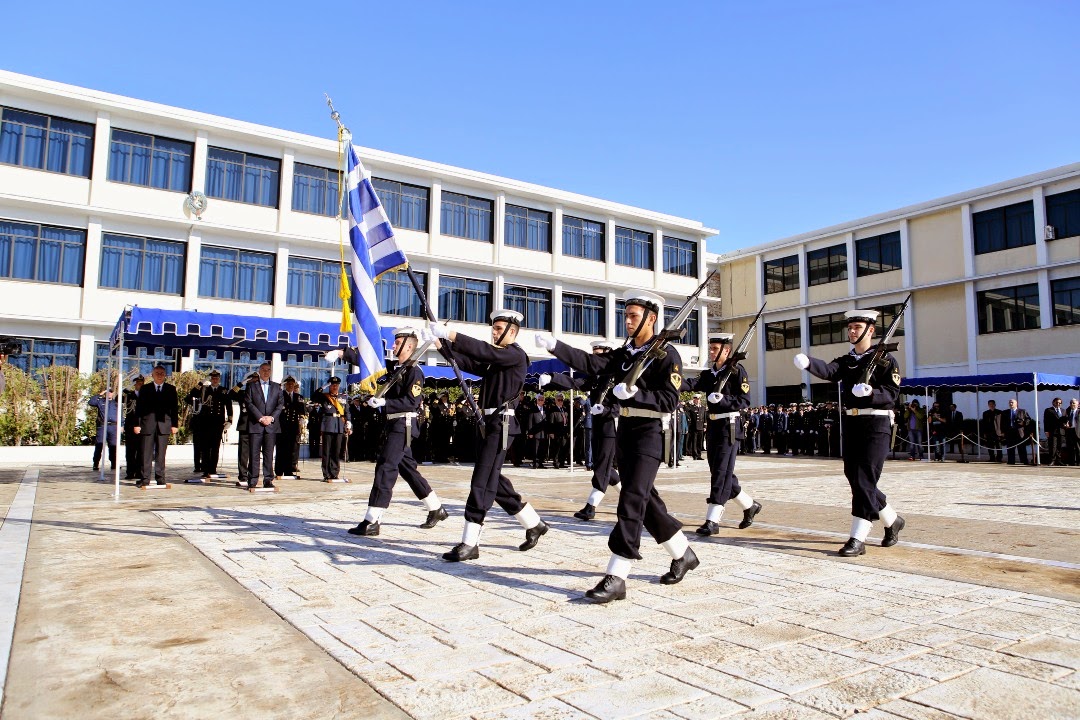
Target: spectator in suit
1072,433
132,443
158,410
1054,426
558,431
265,401
1014,422
534,430
992,431
955,425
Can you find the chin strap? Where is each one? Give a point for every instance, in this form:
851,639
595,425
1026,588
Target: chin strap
860,338
503,336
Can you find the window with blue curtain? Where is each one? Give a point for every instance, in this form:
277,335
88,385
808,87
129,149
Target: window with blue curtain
466,217
877,254
583,238
314,283
169,359
692,325
42,253
583,314
533,303
464,299
233,365
620,317
527,228
232,274
138,263
150,161
44,142
315,190
633,248
396,294
42,352
680,256
242,177
406,205
309,371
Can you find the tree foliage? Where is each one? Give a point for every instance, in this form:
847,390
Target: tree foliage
20,408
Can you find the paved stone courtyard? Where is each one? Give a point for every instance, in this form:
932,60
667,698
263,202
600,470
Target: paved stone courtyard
976,614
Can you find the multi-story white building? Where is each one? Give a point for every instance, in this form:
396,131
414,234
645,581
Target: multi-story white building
994,275
93,219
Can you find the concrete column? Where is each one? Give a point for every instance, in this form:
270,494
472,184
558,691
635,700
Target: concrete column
92,265
852,266
658,257
556,309
760,281
804,341
191,269
804,277
910,351
614,331
905,254
99,169
281,279
1046,300
610,268
87,349
1039,201
498,234
969,240
972,315
556,238
435,221
703,333
286,188
198,162
762,371
433,290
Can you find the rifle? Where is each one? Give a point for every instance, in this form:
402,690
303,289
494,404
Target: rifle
401,370
657,346
740,352
884,346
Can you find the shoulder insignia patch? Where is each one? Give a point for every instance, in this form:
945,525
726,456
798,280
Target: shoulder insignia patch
676,380
745,387
416,389
676,368
896,377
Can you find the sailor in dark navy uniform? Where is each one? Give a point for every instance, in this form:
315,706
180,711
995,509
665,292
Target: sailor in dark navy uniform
604,408
401,403
724,429
333,426
868,417
501,364
644,416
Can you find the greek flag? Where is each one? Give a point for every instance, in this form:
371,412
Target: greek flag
374,252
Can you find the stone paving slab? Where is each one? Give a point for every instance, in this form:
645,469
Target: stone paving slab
751,634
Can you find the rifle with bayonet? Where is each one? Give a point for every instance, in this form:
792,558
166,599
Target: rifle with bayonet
658,345
740,353
884,347
401,370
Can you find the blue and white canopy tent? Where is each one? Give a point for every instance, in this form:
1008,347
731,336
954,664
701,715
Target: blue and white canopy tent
193,330
994,382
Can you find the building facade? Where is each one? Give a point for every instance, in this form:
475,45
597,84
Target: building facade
994,275
94,218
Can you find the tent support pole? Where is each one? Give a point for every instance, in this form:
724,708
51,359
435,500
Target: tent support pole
120,426
926,409
570,421
978,426
1035,386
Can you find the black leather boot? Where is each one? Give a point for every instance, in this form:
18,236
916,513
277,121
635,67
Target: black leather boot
749,514
365,528
434,517
462,552
853,548
608,589
533,535
708,528
892,533
586,513
679,568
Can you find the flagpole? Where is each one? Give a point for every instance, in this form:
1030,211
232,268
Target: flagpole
424,304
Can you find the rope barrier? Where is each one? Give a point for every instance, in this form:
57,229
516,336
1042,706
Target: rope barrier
963,437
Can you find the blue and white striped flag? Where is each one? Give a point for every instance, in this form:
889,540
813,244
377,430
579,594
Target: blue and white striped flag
374,252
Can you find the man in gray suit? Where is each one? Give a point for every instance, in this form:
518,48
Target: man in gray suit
265,401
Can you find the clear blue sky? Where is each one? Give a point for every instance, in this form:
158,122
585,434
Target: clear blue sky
763,119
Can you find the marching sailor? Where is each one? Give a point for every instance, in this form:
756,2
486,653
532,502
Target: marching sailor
501,365
725,427
401,404
643,416
605,409
868,410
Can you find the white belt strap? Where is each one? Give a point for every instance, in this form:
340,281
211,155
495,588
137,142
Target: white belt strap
492,411
395,416
867,411
724,416
640,412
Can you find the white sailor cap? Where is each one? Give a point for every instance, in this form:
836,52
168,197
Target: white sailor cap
864,316
507,315
405,332
648,300
602,345
721,339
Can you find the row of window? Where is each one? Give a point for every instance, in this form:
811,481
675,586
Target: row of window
1001,310
998,229
48,143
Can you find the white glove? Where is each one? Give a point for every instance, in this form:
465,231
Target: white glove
440,331
597,409
375,402
546,341
624,393
862,390
802,362
348,425
544,379
424,336
205,383
228,423
714,397
333,356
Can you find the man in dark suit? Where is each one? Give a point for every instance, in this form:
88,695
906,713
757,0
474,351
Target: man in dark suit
955,426
992,431
1015,423
535,421
1054,426
288,441
265,401
158,410
1071,424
